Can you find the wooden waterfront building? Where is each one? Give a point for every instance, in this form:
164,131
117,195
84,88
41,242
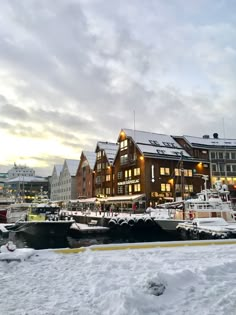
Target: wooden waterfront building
85,175
103,169
155,165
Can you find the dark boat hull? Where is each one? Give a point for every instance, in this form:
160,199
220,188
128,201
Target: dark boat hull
43,228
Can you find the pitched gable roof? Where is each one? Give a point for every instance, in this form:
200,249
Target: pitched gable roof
110,150
72,166
91,158
154,144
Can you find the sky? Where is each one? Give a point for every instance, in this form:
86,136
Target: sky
198,280
75,72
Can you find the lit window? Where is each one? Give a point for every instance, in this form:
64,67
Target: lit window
123,144
164,171
165,187
136,171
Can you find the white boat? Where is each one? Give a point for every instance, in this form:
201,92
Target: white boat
17,211
209,203
206,228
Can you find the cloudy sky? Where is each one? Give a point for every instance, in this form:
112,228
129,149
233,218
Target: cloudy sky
74,72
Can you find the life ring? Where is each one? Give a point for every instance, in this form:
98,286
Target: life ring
10,246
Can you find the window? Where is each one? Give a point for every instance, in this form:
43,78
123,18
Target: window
137,171
99,155
164,171
233,156
227,155
108,191
128,174
99,165
214,168
130,189
177,172
120,190
154,142
165,187
123,159
221,167
123,144
137,187
188,188
119,175
213,155
220,155
108,177
228,168
233,167
188,173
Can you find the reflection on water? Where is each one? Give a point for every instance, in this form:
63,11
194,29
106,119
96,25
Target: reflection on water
22,240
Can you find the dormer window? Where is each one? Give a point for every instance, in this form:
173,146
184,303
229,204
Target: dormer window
123,144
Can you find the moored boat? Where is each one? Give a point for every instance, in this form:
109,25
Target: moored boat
43,220
209,203
206,228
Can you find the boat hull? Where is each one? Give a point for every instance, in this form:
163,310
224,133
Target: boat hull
43,228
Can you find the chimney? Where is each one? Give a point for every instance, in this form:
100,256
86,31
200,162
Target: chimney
215,135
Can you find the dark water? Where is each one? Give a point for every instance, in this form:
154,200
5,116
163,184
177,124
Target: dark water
148,235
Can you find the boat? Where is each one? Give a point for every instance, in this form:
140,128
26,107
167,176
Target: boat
16,211
43,220
80,229
206,228
209,203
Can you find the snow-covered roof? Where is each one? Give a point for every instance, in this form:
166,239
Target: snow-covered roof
155,144
58,168
110,149
27,179
212,142
72,166
91,158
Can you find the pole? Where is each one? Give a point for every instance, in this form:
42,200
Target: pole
182,182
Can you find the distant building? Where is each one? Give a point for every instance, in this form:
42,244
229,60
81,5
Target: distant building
20,170
64,181
3,179
26,188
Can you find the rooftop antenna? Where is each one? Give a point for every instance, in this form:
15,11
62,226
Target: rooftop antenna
225,163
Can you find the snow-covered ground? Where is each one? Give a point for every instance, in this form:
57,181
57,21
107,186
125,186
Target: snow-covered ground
163,281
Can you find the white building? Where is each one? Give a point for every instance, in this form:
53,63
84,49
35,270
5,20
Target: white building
20,171
54,181
64,182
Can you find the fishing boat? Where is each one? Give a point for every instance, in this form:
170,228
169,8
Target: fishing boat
43,220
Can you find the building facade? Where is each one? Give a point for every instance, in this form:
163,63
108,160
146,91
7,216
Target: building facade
55,183
103,169
85,175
